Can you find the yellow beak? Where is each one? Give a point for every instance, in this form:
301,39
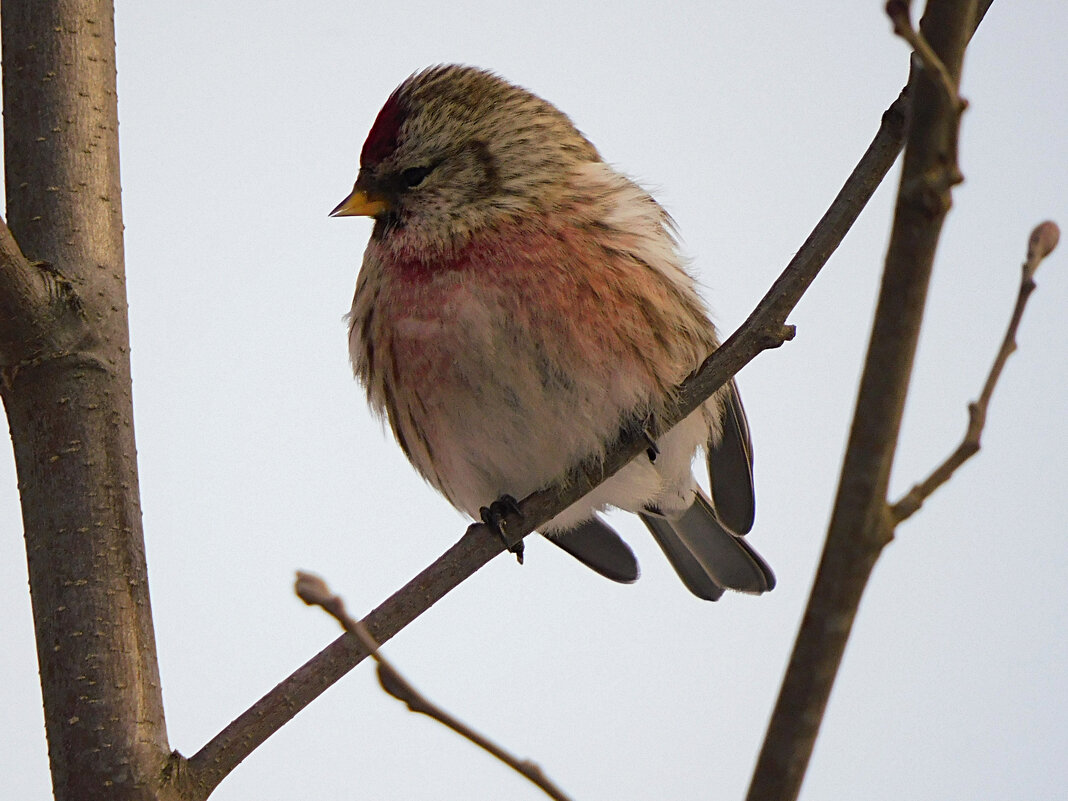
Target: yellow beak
360,204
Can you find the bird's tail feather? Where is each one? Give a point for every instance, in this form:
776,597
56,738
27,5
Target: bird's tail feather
600,548
708,557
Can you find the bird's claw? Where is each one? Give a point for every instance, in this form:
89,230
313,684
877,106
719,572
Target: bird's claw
653,450
495,516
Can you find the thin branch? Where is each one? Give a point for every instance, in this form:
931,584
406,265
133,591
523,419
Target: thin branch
315,592
764,328
1041,243
861,524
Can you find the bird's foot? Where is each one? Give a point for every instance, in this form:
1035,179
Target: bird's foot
495,516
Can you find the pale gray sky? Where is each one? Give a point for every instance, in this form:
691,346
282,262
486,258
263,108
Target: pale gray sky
241,123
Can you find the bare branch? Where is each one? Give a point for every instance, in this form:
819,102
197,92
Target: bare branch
315,592
861,524
1041,243
765,327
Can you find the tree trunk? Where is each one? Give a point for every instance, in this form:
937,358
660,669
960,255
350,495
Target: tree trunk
64,348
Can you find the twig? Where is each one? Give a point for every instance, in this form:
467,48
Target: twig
315,592
1041,243
898,11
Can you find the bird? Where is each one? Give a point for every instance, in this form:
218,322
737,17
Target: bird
519,303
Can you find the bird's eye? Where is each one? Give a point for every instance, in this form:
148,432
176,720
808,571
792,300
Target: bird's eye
413,176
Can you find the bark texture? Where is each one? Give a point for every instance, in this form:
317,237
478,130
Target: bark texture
64,349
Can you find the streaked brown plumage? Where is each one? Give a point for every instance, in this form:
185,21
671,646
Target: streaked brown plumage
519,302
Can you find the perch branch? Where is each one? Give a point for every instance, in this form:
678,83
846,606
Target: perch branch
1042,242
315,592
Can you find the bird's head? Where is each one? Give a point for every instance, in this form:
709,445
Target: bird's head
456,149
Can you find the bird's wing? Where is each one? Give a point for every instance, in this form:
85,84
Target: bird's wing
730,467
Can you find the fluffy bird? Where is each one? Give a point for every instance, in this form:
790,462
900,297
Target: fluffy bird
519,303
